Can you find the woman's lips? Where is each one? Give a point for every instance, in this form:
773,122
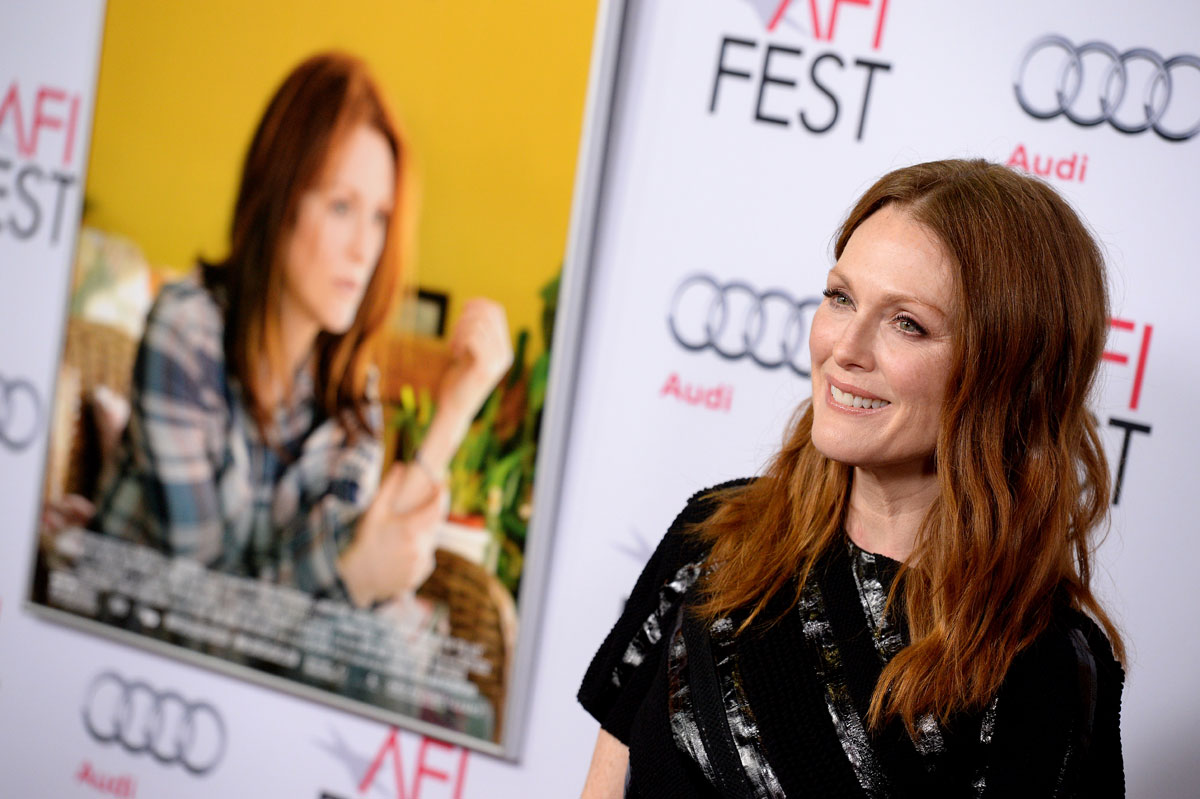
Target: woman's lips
847,397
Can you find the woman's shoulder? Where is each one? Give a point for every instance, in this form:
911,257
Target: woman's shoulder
677,560
182,352
701,505
188,305
186,315
1070,671
1073,642
705,502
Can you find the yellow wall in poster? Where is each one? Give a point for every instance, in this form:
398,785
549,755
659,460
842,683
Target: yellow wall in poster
490,93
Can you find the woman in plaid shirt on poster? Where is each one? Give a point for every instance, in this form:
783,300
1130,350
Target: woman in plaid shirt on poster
254,439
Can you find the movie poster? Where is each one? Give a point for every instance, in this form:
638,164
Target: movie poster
221,482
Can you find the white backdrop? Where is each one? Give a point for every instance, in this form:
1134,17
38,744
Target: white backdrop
688,189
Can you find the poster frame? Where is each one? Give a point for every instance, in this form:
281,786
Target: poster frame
550,460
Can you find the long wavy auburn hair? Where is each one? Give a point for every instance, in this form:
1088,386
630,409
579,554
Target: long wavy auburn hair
1023,482
318,105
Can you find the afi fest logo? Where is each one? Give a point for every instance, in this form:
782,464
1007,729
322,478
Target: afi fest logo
1133,341
776,81
1095,84
39,128
406,766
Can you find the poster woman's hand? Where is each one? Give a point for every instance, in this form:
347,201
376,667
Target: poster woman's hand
481,353
71,510
392,551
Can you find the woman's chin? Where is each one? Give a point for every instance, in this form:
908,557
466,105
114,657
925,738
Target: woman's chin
338,325
835,449
845,450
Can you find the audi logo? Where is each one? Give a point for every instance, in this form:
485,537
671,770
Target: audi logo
164,724
1115,93
20,413
735,321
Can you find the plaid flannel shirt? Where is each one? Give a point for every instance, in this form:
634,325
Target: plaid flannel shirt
195,478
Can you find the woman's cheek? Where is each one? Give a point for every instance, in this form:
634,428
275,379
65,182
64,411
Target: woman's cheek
820,338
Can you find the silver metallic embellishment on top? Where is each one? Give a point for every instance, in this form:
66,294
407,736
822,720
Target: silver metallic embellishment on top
742,724
873,596
743,727
685,725
650,633
928,741
889,640
1069,81
846,722
987,729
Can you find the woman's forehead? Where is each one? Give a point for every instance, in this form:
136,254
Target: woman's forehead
895,257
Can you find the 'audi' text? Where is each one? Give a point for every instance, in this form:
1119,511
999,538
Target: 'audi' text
1070,168
715,398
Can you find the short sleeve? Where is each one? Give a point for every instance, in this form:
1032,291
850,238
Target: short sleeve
624,667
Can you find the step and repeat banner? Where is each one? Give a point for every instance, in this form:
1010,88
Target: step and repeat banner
743,132
722,144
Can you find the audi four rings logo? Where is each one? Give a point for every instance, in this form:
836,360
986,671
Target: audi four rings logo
1128,108
162,723
735,320
20,413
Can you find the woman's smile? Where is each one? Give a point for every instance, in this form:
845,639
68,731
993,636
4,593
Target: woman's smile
847,397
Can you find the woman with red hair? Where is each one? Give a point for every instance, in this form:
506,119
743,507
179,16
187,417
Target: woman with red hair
254,440
902,604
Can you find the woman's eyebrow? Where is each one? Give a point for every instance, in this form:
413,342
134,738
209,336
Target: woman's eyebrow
897,298
892,297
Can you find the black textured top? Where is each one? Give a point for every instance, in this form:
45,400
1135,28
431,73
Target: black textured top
780,712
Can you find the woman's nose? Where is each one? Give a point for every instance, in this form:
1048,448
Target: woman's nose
854,348
358,244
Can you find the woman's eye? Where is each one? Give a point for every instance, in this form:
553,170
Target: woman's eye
340,207
909,325
838,297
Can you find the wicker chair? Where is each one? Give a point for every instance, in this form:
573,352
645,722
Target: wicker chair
482,611
94,355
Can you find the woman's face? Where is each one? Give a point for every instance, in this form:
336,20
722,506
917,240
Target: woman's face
881,346
341,224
